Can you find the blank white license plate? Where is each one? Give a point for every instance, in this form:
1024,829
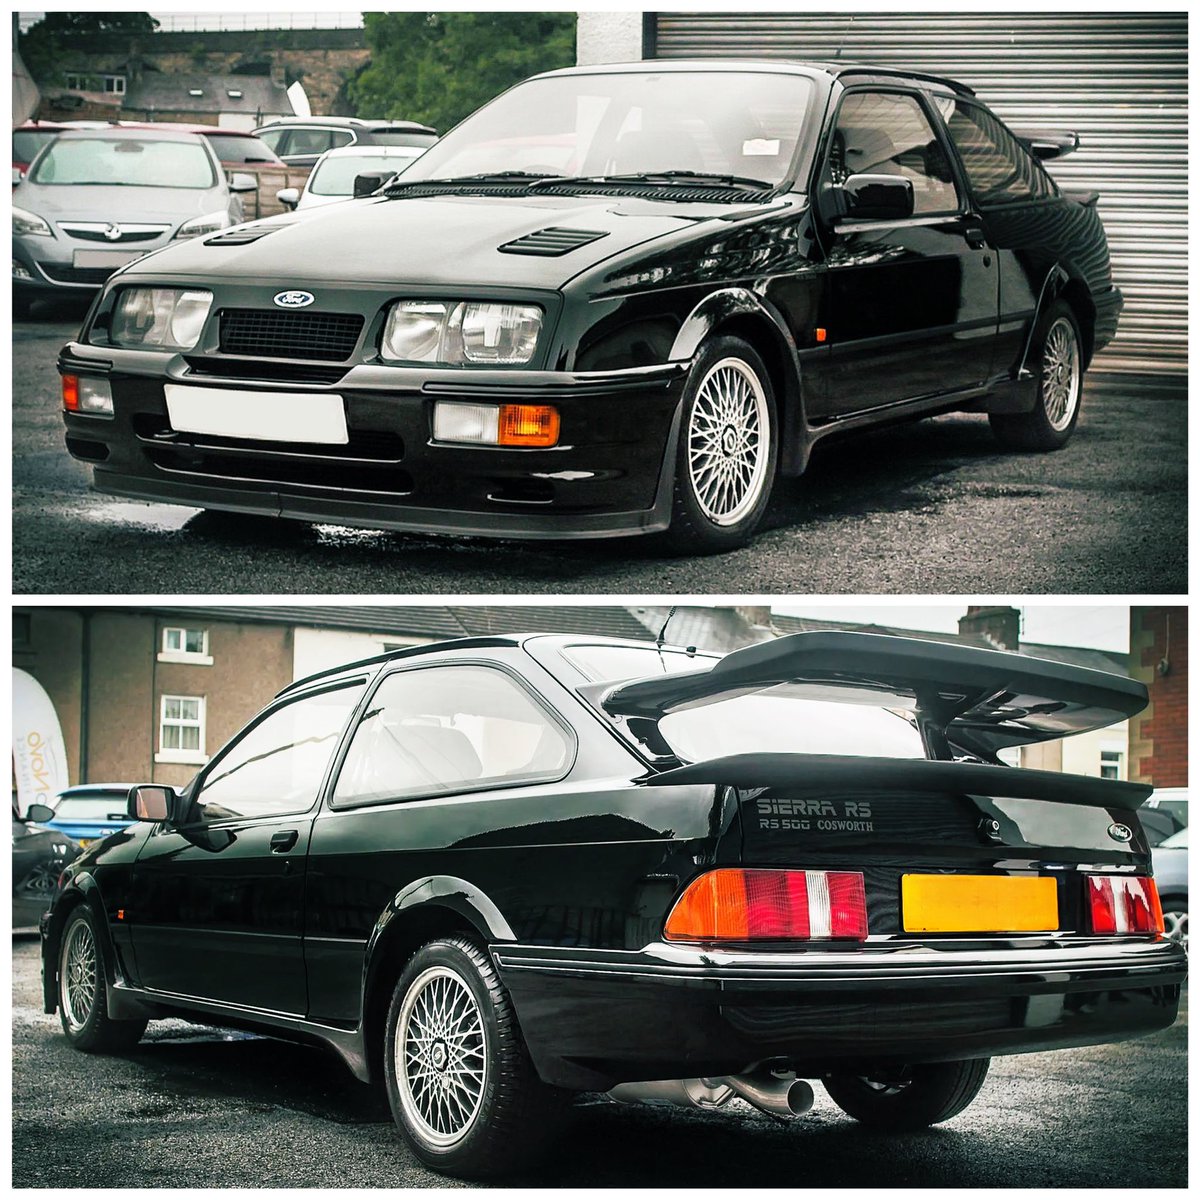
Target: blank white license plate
261,416
105,258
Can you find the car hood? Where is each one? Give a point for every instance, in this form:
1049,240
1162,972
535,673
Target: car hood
439,240
88,202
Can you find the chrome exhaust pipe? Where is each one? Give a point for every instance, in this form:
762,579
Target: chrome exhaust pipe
785,1096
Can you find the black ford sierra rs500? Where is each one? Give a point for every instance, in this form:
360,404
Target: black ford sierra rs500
615,300
497,871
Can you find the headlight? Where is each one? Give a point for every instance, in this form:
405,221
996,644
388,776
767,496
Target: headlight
27,222
168,318
209,223
443,331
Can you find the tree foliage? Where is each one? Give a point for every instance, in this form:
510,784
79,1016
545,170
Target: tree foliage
40,44
439,67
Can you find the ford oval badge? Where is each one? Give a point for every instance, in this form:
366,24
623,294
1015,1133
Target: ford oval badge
294,299
1120,833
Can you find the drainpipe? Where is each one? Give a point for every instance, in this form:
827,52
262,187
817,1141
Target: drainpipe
84,690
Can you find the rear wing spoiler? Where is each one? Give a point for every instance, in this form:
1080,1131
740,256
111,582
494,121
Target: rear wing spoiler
776,771
979,700
1048,144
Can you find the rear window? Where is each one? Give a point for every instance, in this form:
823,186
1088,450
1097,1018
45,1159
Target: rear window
126,162
241,149
999,168
401,137
92,808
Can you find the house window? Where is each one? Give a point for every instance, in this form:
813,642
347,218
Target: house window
1110,764
183,645
114,84
76,83
181,730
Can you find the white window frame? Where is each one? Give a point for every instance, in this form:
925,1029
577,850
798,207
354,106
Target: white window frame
188,757
1112,758
76,81
118,82
198,659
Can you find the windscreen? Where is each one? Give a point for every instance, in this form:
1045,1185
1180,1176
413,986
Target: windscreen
335,176
713,122
91,808
125,162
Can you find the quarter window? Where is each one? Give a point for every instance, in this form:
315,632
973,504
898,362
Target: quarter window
998,167
277,765
888,133
447,729
181,730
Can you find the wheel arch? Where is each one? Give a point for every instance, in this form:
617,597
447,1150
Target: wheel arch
1076,294
739,312
436,906
84,890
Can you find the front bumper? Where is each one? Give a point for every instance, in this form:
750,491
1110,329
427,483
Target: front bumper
596,1018
610,475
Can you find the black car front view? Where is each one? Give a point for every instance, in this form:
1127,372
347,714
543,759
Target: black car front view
494,872
616,300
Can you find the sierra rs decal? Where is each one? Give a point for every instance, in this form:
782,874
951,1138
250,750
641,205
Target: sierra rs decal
821,815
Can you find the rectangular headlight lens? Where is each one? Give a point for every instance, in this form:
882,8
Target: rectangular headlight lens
159,318
500,333
453,333
415,331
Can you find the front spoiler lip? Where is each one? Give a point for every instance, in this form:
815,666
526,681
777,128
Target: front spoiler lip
1084,964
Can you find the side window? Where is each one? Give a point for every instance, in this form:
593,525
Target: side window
445,729
998,167
277,766
273,138
339,137
887,133
310,141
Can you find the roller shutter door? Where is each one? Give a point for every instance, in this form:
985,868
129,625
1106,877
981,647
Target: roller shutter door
1118,79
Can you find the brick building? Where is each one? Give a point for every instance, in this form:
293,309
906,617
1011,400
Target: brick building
1158,643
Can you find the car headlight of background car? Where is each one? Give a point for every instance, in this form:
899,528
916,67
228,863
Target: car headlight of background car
25,222
162,318
209,223
456,332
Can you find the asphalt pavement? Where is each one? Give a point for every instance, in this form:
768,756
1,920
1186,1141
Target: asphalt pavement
920,508
196,1107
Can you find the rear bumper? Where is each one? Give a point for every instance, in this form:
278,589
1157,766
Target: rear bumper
595,1018
1108,315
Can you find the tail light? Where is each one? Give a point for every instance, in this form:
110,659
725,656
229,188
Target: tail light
736,905
70,393
1124,904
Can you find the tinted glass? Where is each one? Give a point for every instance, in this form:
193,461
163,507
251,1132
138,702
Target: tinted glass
998,167
1177,841
241,149
91,808
277,767
310,141
26,143
445,729
615,663
398,137
886,133
271,138
127,162
335,176
740,123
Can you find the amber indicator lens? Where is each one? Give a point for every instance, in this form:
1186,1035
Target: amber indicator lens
735,905
1124,904
978,903
528,425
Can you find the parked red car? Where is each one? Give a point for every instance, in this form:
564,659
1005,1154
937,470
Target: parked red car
234,147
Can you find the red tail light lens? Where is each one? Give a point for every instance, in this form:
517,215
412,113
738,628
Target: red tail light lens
736,905
70,393
1123,904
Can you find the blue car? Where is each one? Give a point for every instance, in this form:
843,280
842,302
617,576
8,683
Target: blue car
90,811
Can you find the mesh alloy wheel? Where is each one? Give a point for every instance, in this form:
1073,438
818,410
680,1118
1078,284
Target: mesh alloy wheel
1175,923
1061,376
78,977
441,1057
727,442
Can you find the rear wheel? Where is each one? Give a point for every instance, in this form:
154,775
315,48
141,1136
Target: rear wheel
83,988
912,1098
1058,364
1175,919
463,1090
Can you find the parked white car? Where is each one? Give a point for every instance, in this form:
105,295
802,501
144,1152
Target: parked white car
332,179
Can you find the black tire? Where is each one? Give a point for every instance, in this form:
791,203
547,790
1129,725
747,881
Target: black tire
82,990
922,1095
1043,427
514,1116
694,527
1175,906
22,306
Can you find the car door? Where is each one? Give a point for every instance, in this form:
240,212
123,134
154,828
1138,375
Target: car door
216,905
912,302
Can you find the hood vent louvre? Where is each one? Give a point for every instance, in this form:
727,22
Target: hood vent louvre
552,242
238,237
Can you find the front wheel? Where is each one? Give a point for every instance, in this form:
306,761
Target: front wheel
909,1099
1175,919
463,1090
728,449
83,990
1058,366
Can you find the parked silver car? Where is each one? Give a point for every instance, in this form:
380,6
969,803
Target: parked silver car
95,200
1171,874
332,179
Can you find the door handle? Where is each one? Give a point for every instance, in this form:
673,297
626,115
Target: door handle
975,237
283,841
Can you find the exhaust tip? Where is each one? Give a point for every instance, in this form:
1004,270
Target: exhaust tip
800,1097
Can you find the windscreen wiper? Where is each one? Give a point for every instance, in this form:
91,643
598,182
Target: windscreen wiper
484,177
700,178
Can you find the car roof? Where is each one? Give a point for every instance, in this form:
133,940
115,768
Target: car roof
126,133
833,70
361,150
183,127
95,789
349,123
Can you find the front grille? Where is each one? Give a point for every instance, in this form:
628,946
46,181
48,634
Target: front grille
254,332
97,235
64,274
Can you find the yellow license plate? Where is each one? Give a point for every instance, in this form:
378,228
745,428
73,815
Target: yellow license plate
978,904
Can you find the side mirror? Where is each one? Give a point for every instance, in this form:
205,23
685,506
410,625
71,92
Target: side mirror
288,197
240,182
368,184
39,813
877,198
152,802
1046,146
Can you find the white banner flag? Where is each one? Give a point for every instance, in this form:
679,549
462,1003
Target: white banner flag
39,752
